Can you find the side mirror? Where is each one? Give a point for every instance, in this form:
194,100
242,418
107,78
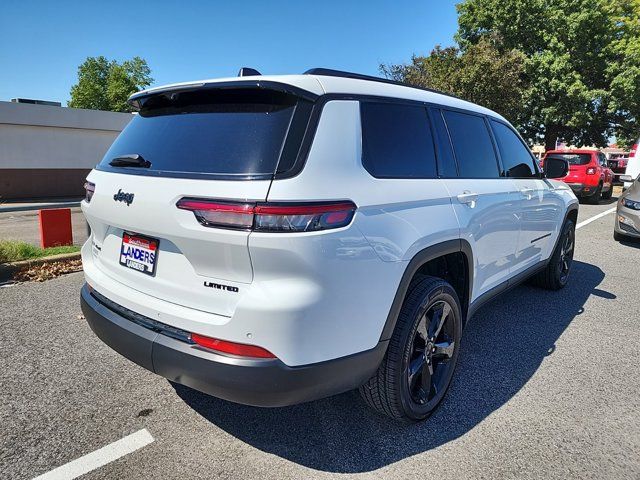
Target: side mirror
555,168
626,178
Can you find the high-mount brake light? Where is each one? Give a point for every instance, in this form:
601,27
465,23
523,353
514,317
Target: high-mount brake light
240,349
270,217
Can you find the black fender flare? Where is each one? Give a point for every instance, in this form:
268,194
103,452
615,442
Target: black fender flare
421,258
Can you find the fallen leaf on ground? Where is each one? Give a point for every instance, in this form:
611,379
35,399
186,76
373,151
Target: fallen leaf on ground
47,271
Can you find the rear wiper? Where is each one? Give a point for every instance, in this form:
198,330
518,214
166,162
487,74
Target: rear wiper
133,160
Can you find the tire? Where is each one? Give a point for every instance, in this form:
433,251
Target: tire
608,194
411,362
556,274
594,198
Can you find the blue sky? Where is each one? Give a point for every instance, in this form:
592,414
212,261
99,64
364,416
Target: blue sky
42,43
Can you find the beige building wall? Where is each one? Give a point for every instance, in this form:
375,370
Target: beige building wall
47,151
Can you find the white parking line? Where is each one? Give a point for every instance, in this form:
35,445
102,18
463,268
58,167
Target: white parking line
100,457
595,217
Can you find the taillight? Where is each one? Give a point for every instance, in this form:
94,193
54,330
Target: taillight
240,349
591,171
89,189
270,217
634,149
622,163
238,216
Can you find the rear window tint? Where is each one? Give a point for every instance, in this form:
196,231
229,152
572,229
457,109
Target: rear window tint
220,132
573,158
472,145
397,141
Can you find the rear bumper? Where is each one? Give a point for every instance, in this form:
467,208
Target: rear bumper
582,190
258,382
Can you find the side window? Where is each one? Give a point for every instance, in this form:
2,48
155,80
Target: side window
516,157
446,161
472,145
603,159
397,141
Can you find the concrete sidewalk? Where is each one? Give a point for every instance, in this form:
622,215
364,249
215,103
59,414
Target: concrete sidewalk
22,225
38,204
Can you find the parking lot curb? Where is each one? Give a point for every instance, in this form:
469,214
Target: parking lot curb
7,270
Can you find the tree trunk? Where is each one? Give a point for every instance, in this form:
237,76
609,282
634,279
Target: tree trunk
550,138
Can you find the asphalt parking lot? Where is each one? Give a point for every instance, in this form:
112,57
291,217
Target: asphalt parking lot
548,386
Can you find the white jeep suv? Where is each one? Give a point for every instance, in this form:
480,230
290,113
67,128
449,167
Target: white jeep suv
271,240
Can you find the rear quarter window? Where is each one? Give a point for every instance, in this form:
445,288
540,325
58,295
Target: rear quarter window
397,141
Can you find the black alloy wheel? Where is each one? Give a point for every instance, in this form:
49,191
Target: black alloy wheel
430,367
417,369
566,255
556,273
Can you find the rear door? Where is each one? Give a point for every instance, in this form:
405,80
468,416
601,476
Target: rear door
203,144
539,207
485,203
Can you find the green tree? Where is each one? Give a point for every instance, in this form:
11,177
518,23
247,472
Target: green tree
624,71
482,74
577,56
558,69
106,84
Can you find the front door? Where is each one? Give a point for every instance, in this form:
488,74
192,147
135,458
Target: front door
485,204
538,208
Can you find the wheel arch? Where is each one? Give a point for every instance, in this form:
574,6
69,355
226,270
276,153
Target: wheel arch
458,248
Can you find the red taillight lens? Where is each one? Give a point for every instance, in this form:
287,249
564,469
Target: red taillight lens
270,217
634,149
89,189
308,217
591,171
219,214
232,348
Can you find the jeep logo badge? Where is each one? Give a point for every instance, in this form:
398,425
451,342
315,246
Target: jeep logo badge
123,197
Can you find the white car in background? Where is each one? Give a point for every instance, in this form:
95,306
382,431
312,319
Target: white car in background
633,165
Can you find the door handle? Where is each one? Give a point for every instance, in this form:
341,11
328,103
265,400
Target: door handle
527,192
468,198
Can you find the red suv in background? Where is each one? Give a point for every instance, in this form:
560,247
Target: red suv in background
589,176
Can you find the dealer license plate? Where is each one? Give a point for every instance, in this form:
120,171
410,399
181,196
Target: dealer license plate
139,253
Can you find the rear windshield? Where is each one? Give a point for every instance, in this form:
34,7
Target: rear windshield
573,158
220,132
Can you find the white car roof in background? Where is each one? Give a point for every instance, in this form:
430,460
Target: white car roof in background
324,84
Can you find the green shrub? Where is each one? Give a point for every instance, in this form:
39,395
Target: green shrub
12,251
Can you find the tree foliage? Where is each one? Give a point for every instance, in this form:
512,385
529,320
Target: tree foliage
106,84
482,74
566,69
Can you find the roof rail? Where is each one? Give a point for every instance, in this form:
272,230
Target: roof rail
328,72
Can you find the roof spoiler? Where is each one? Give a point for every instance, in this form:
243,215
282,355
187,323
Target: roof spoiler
137,99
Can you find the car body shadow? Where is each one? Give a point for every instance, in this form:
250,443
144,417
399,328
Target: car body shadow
502,348
630,242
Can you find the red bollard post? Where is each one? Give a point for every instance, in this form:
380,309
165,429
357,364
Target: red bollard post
55,227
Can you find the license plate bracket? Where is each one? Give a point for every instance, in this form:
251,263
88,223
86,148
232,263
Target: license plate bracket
139,252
